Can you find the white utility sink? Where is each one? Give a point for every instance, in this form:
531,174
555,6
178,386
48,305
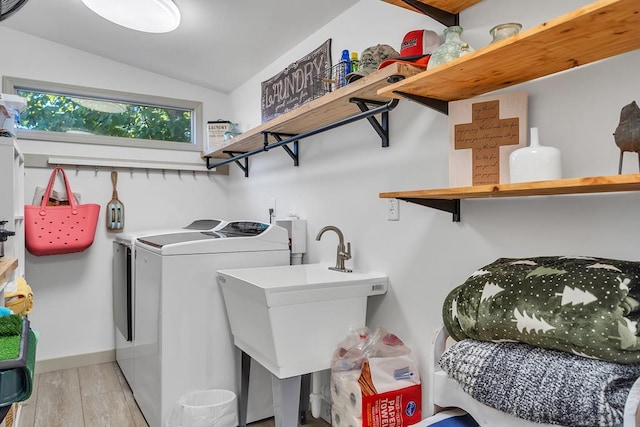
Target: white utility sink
290,318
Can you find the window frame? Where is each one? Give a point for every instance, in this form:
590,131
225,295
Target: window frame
11,85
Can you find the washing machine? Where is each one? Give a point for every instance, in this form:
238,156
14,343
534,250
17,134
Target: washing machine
183,341
123,269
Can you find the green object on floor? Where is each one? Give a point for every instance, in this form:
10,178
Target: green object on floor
16,373
28,371
9,347
10,325
16,384
10,336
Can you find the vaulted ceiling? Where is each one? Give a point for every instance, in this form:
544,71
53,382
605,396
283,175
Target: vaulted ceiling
219,44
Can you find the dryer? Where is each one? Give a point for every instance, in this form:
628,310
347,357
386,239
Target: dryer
123,269
183,340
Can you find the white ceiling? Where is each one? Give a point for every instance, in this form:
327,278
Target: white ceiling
219,45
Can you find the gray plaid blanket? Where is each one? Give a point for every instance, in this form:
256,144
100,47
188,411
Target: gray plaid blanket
541,385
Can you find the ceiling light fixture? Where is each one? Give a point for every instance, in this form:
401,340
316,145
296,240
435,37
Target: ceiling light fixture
9,7
149,16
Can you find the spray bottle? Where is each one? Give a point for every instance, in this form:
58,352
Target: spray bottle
344,68
355,63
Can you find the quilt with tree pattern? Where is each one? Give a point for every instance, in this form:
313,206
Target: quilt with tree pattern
581,305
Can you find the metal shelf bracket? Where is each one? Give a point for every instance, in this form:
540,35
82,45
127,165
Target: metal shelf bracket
381,128
452,206
445,18
278,137
436,104
235,156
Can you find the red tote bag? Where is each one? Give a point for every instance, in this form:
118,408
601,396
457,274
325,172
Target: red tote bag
57,230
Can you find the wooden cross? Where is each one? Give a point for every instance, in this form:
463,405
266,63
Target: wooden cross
484,136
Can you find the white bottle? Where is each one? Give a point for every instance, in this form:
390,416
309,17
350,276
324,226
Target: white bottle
535,162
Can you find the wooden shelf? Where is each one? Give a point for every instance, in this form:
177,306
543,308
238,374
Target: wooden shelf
451,6
7,266
448,199
602,29
327,109
593,184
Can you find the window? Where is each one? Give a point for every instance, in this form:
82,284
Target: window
57,112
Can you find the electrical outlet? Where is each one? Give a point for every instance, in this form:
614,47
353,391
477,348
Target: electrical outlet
393,210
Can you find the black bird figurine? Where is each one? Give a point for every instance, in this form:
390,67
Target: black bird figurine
627,134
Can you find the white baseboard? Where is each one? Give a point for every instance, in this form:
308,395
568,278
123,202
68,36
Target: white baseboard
69,362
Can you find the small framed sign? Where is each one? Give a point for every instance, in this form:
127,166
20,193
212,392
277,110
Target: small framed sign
483,132
216,131
302,81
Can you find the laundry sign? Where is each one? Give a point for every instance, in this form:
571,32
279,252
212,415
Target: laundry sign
302,81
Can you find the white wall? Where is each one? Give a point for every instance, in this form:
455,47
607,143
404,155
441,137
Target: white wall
341,174
425,254
72,310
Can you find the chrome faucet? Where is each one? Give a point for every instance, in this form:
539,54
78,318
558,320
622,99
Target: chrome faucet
341,254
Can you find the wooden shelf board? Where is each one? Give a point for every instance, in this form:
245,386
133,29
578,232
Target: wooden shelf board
595,184
319,112
451,6
602,29
7,266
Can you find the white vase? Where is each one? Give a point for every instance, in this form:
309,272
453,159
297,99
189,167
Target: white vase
535,162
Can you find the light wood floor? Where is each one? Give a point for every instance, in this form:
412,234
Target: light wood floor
92,396
89,396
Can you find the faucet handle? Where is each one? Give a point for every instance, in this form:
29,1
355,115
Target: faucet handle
347,254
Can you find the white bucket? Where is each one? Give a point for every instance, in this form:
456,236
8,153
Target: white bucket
207,408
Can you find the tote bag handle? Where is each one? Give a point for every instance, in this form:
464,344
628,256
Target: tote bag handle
47,193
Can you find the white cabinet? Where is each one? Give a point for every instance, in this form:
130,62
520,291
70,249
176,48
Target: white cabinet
12,199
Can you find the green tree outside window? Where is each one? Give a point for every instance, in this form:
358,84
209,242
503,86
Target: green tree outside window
66,113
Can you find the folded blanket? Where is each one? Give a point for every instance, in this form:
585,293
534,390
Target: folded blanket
540,385
582,305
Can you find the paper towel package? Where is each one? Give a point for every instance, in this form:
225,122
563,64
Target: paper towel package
395,408
341,417
386,393
375,382
398,394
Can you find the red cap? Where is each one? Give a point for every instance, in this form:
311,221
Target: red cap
416,48
421,62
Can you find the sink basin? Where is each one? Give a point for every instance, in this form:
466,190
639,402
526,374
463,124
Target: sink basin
290,318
